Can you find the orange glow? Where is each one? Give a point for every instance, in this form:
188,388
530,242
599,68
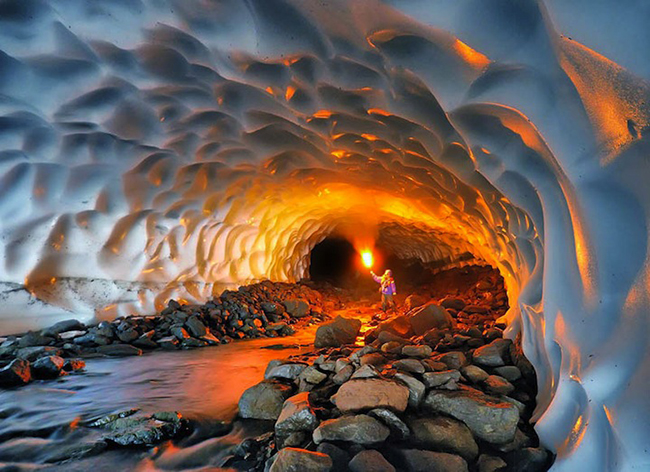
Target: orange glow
471,56
290,91
368,260
322,114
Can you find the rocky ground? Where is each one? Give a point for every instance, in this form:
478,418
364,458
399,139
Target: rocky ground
264,309
433,386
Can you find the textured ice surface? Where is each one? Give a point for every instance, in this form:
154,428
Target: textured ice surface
157,148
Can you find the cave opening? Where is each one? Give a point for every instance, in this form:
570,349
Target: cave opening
334,260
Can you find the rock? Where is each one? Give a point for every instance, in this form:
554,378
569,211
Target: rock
145,431
104,329
210,338
191,343
127,336
453,360
179,333
146,340
509,372
436,379
414,301
519,442
296,307
498,385
312,375
32,353
409,365
63,326
487,463
339,457
487,417
416,389
292,459
471,309
196,327
15,374
47,367
289,371
169,343
371,393
473,373
119,350
373,358
416,460
391,347
264,401
358,429
530,459
297,415
453,303
343,375
398,428
366,371
91,339
269,308
35,339
337,332
444,434
397,325
68,335
386,337
417,351
370,461
72,365
488,355
428,317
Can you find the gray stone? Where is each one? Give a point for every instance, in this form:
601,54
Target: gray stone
530,459
47,367
356,395
509,372
498,385
264,401
35,339
337,332
169,343
128,335
473,373
428,317
179,333
211,339
15,374
366,372
68,335
196,327
340,457
297,415
144,431
104,329
453,360
289,371
343,375
91,339
489,418
487,463
409,365
444,434
119,350
436,379
73,365
417,351
373,358
370,461
35,352
416,389
292,459
398,428
296,307
312,375
63,326
358,429
488,356
415,460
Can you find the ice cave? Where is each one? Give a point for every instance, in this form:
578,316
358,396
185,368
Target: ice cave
161,155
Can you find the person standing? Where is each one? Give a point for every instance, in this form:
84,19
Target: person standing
386,288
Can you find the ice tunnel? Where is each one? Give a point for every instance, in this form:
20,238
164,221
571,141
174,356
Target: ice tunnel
153,149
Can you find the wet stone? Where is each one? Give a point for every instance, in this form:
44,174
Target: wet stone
370,461
409,365
358,429
296,415
47,367
338,332
264,401
292,459
398,428
436,379
119,350
416,460
362,394
15,374
453,360
63,326
444,434
33,353
128,335
509,372
196,327
169,343
428,317
488,463
474,374
417,351
498,385
416,389
289,371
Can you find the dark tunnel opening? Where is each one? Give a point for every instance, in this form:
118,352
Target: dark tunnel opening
334,260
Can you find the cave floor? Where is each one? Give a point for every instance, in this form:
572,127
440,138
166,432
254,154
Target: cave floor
43,423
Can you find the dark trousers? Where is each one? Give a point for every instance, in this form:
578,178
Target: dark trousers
387,301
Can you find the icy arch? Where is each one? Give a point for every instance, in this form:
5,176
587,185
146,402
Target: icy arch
151,149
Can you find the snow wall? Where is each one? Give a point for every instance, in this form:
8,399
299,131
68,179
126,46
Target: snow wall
172,148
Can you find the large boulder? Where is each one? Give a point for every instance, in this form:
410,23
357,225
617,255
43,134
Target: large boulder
15,374
489,418
415,460
264,401
127,430
337,332
48,367
444,434
362,394
292,459
359,429
296,307
414,301
428,317
399,326
196,327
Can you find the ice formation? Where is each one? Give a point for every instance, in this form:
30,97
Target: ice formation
170,148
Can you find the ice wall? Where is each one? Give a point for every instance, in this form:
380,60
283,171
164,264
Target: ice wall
157,148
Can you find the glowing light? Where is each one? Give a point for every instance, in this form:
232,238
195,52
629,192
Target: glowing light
366,257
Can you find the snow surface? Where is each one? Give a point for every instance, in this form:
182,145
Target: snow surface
156,148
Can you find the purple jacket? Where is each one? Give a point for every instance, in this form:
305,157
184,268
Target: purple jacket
387,285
